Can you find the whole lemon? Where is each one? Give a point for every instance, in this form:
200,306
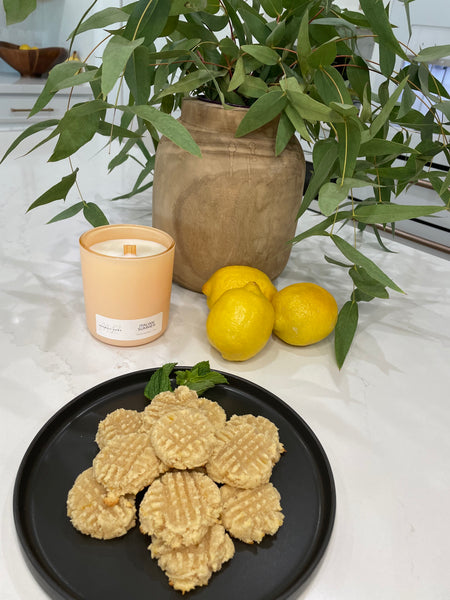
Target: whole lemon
305,313
240,322
236,276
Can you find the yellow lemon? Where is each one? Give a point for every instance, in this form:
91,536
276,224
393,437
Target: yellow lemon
236,276
305,313
240,322
24,47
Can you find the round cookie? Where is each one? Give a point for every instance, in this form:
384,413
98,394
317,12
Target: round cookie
183,439
90,515
118,422
180,507
249,515
243,456
188,567
126,465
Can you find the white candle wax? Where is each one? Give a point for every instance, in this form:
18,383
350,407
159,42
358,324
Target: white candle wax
116,247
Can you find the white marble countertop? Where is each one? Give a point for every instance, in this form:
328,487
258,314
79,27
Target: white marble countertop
383,420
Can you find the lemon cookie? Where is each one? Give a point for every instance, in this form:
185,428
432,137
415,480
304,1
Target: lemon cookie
183,439
180,507
249,515
188,567
89,514
164,402
126,465
182,397
263,425
118,422
243,456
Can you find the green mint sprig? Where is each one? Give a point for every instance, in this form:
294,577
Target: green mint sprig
200,378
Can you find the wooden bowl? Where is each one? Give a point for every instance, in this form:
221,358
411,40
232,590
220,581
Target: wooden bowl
31,63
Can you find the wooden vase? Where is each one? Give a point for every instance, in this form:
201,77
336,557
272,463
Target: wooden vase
236,205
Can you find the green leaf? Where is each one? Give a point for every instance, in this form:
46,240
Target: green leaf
297,122
324,55
147,20
379,23
285,131
77,79
167,125
322,226
57,192
253,87
229,48
309,109
263,54
339,263
159,381
331,86
94,215
138,74
303,43
344,331
68,213
59,73
191,82
200,378
432,54
385,112
390,212
115,58
358,76
18,10
273,8
35,128
181,7
264,110
330,196
349,140
101,19
381,147
328,154
366,283
238,77
387,60
77,127
354,255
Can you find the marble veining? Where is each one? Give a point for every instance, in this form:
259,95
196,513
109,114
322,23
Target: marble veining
384,419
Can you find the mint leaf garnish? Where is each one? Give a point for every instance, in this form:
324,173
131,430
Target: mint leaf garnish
200,378
159,381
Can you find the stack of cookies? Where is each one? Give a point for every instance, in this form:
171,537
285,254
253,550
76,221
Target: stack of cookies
206,481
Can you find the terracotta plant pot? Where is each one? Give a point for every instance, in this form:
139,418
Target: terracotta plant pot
235,205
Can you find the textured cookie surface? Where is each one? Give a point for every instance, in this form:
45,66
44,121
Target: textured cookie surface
249,515
89,514
126,465
118,422
183,439
180,507
243,455
182,397
188,567
165,402
264,426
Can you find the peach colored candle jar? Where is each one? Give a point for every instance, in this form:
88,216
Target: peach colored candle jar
127,281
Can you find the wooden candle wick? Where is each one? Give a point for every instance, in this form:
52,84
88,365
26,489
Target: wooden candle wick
129,249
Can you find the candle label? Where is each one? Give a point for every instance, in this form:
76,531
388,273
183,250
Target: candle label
128,329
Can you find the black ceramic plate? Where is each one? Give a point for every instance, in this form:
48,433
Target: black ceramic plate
69,565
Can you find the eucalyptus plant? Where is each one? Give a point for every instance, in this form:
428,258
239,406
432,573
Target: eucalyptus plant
298,61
